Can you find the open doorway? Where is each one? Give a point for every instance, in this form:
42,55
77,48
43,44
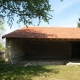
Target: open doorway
76,50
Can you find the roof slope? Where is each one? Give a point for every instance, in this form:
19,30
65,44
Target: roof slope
45,32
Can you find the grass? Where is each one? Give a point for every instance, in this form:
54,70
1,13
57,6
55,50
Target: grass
51,72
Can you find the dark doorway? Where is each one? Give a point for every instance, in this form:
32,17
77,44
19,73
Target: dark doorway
76,50
47,50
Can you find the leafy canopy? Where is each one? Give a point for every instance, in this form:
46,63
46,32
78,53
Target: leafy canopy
25,10
1,24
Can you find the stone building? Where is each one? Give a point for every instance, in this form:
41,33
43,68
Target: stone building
42,43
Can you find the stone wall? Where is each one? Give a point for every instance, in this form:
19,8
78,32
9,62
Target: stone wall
14,50
8,52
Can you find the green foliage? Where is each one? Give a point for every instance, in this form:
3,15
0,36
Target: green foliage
25,10
1,32
1,23
2,47
78,24
2,61
1,27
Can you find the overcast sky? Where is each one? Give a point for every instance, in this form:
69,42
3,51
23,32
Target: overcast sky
65,14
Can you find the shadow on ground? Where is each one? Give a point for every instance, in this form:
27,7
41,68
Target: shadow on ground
18,72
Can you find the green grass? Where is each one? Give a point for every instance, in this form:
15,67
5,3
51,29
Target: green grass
58,72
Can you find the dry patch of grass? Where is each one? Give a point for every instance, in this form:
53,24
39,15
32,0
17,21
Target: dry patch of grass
51,72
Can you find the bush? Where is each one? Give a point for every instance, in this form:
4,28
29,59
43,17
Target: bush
78,24
2,47
2,61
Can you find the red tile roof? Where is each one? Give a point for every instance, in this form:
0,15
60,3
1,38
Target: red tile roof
45,32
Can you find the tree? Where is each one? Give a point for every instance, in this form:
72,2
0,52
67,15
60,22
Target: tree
2,47
1,41
25,10
1,32
1,23
78,23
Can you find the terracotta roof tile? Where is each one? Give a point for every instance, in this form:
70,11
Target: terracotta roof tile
45,32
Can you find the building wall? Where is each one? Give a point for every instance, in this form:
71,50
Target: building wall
14,50
20,49
7,54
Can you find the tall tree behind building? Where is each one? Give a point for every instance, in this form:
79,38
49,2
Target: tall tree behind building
78,24
1,33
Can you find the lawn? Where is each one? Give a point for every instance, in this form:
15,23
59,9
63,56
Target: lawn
51,72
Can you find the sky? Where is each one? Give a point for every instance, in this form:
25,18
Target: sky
65,14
